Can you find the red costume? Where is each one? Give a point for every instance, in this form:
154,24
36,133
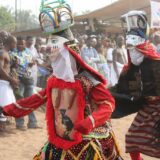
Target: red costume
77,115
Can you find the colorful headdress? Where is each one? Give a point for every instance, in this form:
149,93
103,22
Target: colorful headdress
55,16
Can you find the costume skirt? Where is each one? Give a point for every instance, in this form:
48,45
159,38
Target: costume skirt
144,134
88,149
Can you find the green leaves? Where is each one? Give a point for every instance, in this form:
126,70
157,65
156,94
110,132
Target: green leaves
6,19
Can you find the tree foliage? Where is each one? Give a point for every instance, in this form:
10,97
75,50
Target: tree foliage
26,20
6,19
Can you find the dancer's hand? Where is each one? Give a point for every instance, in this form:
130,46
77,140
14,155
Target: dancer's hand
85,126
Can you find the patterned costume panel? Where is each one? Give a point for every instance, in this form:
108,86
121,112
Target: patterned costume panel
92,149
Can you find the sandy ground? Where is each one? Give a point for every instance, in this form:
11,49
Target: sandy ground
23,145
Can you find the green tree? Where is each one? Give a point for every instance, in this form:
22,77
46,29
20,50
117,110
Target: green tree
26,20
6,19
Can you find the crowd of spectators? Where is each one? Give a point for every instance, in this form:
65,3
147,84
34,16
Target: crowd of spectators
29,68
105,55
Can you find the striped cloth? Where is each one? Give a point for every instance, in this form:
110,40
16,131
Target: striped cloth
144,134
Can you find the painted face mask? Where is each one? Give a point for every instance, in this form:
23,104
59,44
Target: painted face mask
136,28
136,57
133,40
63,63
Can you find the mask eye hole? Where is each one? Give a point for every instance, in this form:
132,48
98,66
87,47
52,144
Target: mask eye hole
141,22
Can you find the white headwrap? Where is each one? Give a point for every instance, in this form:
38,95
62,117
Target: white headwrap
63,63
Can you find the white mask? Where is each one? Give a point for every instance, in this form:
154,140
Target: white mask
136,57
63,63
134,40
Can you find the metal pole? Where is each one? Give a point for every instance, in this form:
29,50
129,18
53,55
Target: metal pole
15,14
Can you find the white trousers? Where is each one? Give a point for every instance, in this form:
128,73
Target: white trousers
6,96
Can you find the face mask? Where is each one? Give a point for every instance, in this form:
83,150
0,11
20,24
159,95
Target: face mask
136,57
133,40
63,64
54,54
53,47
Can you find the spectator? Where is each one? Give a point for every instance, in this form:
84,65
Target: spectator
40,56
46,51
93,42
157,42
10,43
33,51
119,60
6,81
24,71
89,54
3,37
39,41
102,64
99,41
120,52
81,43
10,46
119,56
108,49
42,70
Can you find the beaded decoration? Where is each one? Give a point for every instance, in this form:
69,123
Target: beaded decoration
87,149
72,45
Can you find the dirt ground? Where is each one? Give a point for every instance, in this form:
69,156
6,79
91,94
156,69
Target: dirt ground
23,145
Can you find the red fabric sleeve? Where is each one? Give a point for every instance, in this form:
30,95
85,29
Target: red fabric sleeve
105,106
26,105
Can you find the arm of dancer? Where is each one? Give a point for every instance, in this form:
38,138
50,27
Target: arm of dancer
25,106
105,106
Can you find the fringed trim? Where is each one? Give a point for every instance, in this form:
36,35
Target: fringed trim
92,120
53,138
40,96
